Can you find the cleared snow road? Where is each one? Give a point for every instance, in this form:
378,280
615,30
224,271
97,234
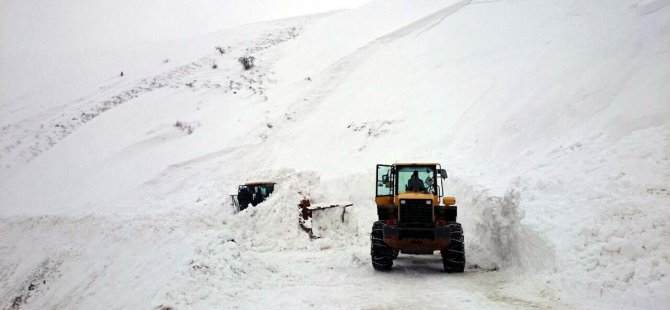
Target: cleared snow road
313,280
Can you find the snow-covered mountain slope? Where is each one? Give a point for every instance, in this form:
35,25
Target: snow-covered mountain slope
551,118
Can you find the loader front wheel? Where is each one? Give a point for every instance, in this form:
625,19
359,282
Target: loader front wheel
381,253
453,257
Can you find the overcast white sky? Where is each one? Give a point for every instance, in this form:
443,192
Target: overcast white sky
91,24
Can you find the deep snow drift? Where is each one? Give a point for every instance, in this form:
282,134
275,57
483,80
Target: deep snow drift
551,118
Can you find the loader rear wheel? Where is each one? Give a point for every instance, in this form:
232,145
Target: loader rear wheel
453,257
381,253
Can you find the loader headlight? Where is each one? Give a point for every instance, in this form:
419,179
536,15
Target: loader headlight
428,202
402,202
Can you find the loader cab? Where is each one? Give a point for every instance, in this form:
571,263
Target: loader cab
254,193
410,184
393,180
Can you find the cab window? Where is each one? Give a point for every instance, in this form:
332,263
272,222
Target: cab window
423,182
384,180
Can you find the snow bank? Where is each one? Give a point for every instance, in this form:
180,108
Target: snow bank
273,224
495,235
496,238
70,259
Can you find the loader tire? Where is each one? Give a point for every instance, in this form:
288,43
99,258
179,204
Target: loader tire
381,253
394,253
453,257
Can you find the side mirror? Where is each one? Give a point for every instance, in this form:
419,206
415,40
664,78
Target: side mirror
443,173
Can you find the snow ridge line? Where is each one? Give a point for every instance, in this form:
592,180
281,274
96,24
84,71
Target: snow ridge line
427,22
337,72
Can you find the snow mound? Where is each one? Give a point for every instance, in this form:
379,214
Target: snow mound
637,252
273,224
495,237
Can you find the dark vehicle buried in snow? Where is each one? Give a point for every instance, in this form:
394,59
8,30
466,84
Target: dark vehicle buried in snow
252,193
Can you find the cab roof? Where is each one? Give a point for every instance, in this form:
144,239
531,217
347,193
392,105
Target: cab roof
415,164
258,183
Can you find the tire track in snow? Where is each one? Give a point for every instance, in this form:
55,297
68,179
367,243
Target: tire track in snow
26,139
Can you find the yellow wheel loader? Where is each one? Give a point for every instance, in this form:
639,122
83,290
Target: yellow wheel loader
413,218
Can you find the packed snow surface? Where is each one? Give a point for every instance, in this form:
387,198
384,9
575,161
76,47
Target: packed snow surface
551,117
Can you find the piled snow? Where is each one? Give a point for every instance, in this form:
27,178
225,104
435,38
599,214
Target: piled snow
495,235
550,118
